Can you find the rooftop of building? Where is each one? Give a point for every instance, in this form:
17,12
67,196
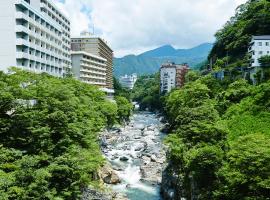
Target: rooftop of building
87,54
88,35
59,10
261,37
173,65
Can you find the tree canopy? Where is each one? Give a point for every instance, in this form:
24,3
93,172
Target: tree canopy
49,147
219,141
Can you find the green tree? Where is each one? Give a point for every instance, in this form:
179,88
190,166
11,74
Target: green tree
265,65
246,172
124,108
49,135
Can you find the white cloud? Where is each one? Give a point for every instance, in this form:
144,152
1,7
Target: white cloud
132,26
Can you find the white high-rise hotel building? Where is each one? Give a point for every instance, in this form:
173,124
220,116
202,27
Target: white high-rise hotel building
34,35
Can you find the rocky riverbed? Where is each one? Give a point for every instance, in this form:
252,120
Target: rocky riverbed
137,158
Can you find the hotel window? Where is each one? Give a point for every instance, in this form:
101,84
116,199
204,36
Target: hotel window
260,52
260,44
267,44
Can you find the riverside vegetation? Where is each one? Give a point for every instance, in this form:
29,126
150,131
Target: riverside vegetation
219,141
49,127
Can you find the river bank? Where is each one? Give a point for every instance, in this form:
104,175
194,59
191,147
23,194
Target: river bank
137,156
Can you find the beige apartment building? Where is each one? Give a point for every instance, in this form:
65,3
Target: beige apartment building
95,46
89,68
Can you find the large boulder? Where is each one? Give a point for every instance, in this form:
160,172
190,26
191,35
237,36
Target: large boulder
108,175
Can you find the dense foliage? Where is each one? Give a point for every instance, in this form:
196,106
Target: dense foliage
221,139
232,41
49,147
120,90
146,92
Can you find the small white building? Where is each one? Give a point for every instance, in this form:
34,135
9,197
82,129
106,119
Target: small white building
128,81
259,46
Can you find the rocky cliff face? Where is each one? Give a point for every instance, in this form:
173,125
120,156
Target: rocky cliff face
171,185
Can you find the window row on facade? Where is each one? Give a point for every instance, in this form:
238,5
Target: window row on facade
30,45
39,67
93,81
55,14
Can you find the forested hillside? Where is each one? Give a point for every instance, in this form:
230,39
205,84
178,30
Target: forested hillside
219,145
149,62
232,41
49,127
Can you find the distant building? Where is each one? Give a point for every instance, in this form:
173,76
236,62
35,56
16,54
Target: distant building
259,46
128,81
89,68
94,45
35,36
172,76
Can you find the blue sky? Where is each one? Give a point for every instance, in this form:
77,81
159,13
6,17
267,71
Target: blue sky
134,26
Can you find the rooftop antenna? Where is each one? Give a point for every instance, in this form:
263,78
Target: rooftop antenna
93,29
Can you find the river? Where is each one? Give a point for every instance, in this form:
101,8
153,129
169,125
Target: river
137,155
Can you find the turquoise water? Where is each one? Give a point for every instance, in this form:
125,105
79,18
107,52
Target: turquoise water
138,194
130,176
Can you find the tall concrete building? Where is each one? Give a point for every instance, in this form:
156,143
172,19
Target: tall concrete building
172,76
97,46
89,68
35,36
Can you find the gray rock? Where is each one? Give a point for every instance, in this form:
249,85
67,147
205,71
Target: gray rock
124,158
153,158
107,175
93,194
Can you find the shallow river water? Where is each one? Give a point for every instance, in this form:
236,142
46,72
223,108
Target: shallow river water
135,152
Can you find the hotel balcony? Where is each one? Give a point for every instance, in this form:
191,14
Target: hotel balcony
92,77
93,67
21,41
93,72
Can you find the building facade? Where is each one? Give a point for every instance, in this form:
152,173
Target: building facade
172,76
259,46
181,72
128,81
97,46
34,36
89,68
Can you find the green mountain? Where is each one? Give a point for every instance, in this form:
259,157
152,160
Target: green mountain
150,61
